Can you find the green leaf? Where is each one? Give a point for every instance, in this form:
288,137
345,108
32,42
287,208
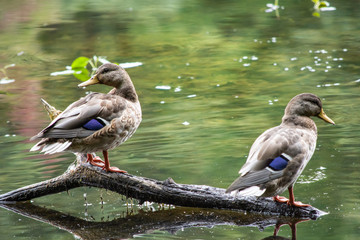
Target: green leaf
82,74
324,4
80,62
316,14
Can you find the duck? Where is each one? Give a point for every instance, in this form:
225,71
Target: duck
96,122
279,155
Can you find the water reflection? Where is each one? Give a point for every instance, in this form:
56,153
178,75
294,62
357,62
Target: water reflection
292,224
139,222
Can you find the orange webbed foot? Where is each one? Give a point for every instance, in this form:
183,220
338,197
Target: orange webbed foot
95,161
298,204
113,169
280,199
98,160
289,202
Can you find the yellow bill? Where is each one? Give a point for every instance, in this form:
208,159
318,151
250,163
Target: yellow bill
93,80
323,116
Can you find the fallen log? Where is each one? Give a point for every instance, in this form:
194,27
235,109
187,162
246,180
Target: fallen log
146,189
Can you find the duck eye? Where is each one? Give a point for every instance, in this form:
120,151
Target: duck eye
314,102
105,70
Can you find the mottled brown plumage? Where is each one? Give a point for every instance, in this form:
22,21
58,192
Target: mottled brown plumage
279,155
97,122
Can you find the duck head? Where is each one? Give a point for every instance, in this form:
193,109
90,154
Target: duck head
307,104
109,74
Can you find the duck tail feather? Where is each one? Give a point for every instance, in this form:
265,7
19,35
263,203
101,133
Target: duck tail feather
64,146
56,147
252,191
38,146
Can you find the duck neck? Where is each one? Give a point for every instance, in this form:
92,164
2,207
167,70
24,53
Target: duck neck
299,121
126,90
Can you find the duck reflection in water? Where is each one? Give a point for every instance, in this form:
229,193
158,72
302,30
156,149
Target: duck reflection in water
292,223
144,222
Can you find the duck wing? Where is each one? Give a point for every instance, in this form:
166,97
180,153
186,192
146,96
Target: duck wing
268,157
83,117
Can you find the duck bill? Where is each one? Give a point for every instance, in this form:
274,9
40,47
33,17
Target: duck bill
323,116
93,80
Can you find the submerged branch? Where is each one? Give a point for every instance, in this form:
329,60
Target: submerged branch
145,189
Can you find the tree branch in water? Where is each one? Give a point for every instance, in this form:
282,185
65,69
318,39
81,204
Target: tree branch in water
146,189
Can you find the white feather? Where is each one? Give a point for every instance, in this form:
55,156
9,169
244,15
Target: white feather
64,146
234,193
47,147
36,147
252,191
104,121
287,156
55,147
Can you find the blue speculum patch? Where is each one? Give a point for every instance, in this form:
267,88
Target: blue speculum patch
278,163
94,124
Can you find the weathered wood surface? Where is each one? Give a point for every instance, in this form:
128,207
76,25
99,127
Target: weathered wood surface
145,189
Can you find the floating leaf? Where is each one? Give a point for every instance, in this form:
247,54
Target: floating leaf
79,70
80,62
324,4
130,64
327,9
65,72
163,87
9,66
82,74
6,80
316,14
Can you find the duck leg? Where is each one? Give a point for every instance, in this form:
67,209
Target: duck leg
107,164
292,202
292,225
277,228
95,160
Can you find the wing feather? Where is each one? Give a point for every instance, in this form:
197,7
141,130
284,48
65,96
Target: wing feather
69,123
255,172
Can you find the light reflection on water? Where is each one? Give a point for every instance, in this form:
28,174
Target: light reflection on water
210,83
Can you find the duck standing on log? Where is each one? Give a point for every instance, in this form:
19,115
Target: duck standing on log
279,155
97,122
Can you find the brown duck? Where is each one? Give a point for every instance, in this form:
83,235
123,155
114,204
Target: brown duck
97,122
279,155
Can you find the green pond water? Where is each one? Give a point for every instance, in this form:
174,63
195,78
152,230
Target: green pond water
215,75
